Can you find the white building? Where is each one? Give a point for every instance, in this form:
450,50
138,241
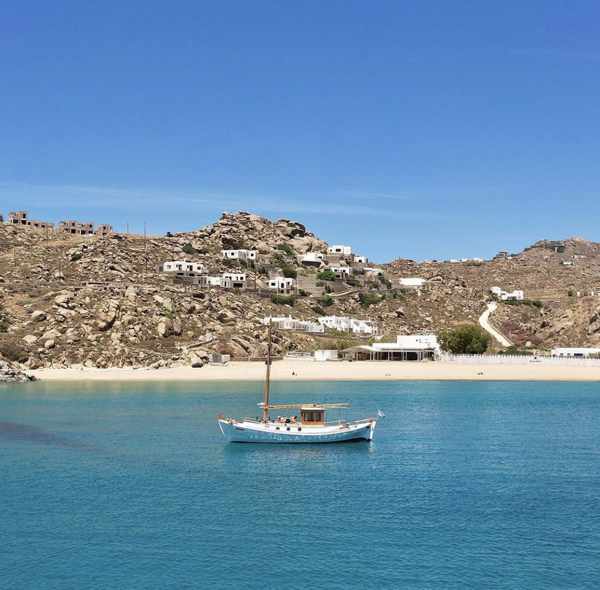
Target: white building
341,272
411,282
406,348
575,352
373,272
340,250
239,254
234,280
282,284
516,295
360,259
212,281
183,266
326,355
290,323
346,324
312,259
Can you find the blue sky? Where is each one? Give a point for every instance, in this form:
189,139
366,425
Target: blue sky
417,129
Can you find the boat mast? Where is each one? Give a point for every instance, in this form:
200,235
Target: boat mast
267,388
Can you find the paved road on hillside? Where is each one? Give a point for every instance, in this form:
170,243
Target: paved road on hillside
484,322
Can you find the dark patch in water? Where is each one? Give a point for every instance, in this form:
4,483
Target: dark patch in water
24,432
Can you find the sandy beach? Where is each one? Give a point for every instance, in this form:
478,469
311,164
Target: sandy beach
335,371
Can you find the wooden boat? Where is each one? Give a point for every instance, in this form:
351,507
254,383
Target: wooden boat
310,427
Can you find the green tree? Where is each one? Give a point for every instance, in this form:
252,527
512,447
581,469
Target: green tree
465,339
326,275
289,272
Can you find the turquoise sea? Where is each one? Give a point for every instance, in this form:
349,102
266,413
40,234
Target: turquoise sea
467,485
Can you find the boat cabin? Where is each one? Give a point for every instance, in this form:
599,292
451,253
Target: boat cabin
312,416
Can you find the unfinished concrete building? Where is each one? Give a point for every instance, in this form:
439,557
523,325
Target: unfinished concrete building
76,228
104,229
21,218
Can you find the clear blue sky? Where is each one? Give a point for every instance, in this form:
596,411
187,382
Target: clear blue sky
419,129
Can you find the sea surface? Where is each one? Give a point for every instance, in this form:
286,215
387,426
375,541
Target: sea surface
466,485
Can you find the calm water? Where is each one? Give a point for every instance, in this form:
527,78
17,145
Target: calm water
467,485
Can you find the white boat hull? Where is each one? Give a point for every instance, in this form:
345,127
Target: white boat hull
250,431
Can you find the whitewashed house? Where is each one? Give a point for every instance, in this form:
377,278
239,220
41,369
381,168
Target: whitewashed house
411,282
341,272
283,285
211,281
239,254
575,352
183,266
346,324
372,272
340,250
234,280
290,323
312,259
516,295
360,259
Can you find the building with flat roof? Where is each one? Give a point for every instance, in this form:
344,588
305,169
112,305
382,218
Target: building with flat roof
575,352
418,347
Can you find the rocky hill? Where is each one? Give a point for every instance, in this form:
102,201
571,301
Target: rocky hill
102,301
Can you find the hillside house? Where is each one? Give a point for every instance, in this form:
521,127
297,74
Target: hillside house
282,285
104,229
18,218
211,281
359,259
21,218
340,250
290,323
516,295
341,272
77,228
411,282
346,324
575,352
183,266
372,272
234,280
418,347
312,259
247,255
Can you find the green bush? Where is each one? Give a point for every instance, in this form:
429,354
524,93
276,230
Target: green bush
326,275
189,249
286,248
280,299
367,299
465,339
76,256
289,272
303,293
326,300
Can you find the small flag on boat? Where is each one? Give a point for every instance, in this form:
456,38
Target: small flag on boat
380,414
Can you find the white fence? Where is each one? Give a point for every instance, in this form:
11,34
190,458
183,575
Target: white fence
515,359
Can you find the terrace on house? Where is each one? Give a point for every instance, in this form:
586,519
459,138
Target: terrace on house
240,254
417,347
411,282
312,259
347,324
183,266
516,295
340,250
340,271
76,228
283,285
290,323
579,353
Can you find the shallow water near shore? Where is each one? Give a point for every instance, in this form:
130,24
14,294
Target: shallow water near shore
467,485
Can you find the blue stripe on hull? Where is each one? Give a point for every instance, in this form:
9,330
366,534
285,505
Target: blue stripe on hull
252,436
